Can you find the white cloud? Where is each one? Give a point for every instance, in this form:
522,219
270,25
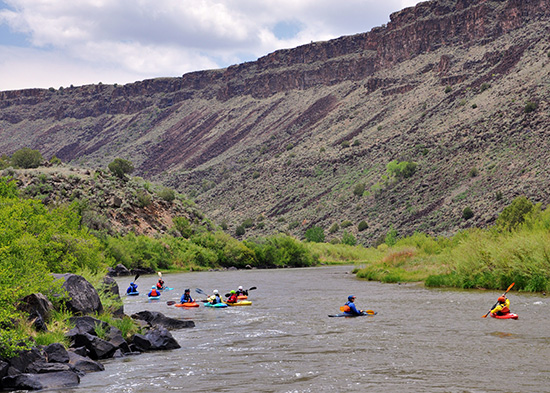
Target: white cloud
98,40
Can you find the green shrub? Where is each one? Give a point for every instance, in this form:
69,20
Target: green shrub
345,144
515,214
239,231
401,170
120,167
281,250
484,86
256,175
467,213
391,237
474,106
530,106
248,223
346,223
315,234
349,239
473,172
362,226
26,158
334,228
448,89
167,194
143,198
182,225
359,189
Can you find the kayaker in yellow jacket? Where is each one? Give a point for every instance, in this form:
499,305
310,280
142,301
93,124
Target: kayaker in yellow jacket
503,306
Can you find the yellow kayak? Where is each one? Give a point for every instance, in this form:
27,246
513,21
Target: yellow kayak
241,303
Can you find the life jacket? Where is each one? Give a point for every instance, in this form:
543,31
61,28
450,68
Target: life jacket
154,292
232,298
346,308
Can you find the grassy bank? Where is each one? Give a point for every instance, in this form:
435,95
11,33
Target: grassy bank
516,249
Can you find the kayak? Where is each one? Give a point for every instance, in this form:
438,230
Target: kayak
165,289
154,297
345,314
136,293
242,297
217,305
241,303
509,315
193,304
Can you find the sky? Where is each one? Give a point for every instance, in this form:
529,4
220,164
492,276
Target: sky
59,43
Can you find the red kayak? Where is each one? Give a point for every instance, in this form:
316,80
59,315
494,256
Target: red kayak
509,315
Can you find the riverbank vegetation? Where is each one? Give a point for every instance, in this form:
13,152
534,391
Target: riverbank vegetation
515,249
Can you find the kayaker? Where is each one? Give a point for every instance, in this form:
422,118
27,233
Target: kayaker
160,283
132,288
503,306
350,306
215,298
154,292
186,297
241,292
232,297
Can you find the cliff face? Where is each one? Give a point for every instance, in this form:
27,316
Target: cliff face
285,140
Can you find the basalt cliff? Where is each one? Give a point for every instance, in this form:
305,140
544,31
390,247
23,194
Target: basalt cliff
304,136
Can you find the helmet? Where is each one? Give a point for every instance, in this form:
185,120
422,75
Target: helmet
131,283
501,299
215,292
187,290
240,287
153,287
351,297
232,291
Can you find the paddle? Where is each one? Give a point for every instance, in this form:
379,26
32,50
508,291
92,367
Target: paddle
136,277
170,303
198,290
488,312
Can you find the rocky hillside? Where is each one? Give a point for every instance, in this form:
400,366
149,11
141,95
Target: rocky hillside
107,203
304,136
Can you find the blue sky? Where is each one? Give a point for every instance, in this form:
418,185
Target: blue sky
54,43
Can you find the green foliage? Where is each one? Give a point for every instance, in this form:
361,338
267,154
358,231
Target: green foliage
448,89
515,214
346,223
26,158
349,239
281,250
359,189
315,234
4,161
473,172
248,223
239,231
167,194
401,170
143,198
181,224
530,106
334,228
362,226
484,86
345,144
120,167
55,161
467,213
391,237
8,188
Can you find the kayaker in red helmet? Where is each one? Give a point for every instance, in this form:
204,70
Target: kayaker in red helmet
350,308
503,306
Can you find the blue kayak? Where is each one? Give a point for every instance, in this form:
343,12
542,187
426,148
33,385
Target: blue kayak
136,293
154,297
166,289
217,305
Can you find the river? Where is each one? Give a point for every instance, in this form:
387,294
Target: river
422,340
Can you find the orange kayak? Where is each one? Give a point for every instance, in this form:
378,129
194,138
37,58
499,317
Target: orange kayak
193,304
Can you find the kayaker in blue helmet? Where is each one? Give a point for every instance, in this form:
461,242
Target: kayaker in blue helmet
186,297
132,288
154,292
503,306
351,305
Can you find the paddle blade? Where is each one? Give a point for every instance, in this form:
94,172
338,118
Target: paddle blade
170,303
370,312
136,277
510,287
252,288
198,290
160,274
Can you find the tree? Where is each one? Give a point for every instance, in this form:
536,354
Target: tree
315,234
514,214
26,158
120,167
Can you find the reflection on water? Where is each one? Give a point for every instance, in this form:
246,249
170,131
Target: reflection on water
421,340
